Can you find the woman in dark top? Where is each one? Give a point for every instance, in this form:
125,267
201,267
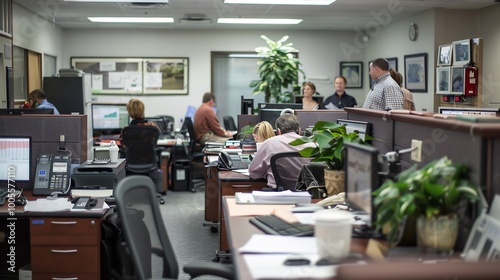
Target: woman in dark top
340,98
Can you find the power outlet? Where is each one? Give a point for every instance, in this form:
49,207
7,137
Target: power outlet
416,155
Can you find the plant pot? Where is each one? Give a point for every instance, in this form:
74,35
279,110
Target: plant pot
437,233
334,181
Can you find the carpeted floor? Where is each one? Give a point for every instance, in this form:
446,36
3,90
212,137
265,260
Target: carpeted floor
183,213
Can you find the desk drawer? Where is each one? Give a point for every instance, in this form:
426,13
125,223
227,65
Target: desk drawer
230,188
62,239
65,259
68,276
65,226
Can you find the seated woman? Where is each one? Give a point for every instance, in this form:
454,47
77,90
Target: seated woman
135,109
309,89
262,131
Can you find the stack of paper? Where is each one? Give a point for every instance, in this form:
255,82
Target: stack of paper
284,197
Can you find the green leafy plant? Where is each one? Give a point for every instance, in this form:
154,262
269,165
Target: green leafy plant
434,190
278,71
329,138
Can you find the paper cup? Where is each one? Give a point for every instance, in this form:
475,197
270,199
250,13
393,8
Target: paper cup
332,230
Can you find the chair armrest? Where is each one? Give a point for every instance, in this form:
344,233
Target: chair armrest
209,268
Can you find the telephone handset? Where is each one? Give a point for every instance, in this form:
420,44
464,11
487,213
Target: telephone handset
52,174
225,160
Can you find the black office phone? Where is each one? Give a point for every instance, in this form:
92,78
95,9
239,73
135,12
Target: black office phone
52,174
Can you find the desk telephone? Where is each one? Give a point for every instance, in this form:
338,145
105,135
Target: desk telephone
52,174
231,162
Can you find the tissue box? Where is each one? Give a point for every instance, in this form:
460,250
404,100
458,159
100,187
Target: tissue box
25,272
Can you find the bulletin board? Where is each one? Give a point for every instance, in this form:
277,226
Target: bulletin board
116,75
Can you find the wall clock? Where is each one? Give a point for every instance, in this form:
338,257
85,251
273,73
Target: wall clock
413,32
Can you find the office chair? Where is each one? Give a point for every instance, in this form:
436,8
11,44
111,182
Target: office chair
147,239
290,161
193,155
141,154
230,125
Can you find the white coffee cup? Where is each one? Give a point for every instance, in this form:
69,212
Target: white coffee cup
113,152
332,231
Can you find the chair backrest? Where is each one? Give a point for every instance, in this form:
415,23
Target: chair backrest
229,123
140,147
190,147
144,229
286,167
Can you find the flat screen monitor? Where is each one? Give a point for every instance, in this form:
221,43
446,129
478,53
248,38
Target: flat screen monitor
363,128
468,111
317,98
109,119
271,111
24,111
15,161
361,179
246,106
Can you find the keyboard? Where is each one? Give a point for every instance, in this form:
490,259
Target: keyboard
271,224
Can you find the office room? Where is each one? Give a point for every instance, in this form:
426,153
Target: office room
321,49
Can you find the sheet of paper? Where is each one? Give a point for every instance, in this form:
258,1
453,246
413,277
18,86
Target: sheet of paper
92,193
250,209
280,194
268,244
242,171
271,266
48,205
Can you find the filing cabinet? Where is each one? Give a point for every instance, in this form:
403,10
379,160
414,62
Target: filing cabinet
65,248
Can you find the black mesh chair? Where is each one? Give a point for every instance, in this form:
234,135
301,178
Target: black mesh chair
292,162
230,125
147,240
141,154
195,156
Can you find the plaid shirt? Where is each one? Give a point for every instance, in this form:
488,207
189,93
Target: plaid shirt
385,95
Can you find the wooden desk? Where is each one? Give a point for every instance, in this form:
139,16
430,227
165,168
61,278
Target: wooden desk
239,231
62,245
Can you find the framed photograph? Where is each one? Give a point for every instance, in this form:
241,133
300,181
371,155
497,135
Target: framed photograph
353,72
461,52
444,55
416,72
443,80
393,63
457,80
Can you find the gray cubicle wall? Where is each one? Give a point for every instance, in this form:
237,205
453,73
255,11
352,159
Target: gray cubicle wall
45,131
309,118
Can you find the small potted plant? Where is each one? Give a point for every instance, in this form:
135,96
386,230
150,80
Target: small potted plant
329,138
433,195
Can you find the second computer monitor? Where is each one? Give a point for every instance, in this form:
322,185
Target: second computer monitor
271,111
363,128
108,118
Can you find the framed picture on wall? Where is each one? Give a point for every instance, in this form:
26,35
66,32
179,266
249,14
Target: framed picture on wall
416,72
461,52
443,80
353,72
393,63
444,55
457,79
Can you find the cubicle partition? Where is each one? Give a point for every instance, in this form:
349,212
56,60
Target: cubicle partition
244,120
45,132
309,118
382,127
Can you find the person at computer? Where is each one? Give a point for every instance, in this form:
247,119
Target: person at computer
39,100
408,102
262,131
340,98
135,109
385,94
288,129
308,91
206,125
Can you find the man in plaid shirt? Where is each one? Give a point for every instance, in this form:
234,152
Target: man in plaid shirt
385,94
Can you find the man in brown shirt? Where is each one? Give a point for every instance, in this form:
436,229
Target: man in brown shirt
206,124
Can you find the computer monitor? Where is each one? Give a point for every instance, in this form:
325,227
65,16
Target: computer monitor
24,111
468,111
361,179
15,161
109,118
363,128
246,106
160,123
317,98
271,111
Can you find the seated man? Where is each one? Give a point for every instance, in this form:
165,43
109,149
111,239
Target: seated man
288,129
38,97
206,125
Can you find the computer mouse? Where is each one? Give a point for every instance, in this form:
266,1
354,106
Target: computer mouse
20,200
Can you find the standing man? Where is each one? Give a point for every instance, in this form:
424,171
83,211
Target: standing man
206,124
339,99
386,94
37,96
288,129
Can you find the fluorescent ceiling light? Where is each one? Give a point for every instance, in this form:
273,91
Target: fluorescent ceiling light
122,1
281,2
131,19
259,20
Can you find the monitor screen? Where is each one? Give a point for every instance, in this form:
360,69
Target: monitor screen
468,111
109,116
23,111
15,160
246,106
363,128
361,178
271,111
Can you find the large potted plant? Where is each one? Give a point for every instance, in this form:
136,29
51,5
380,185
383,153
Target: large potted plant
278,71
329,139
432,195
